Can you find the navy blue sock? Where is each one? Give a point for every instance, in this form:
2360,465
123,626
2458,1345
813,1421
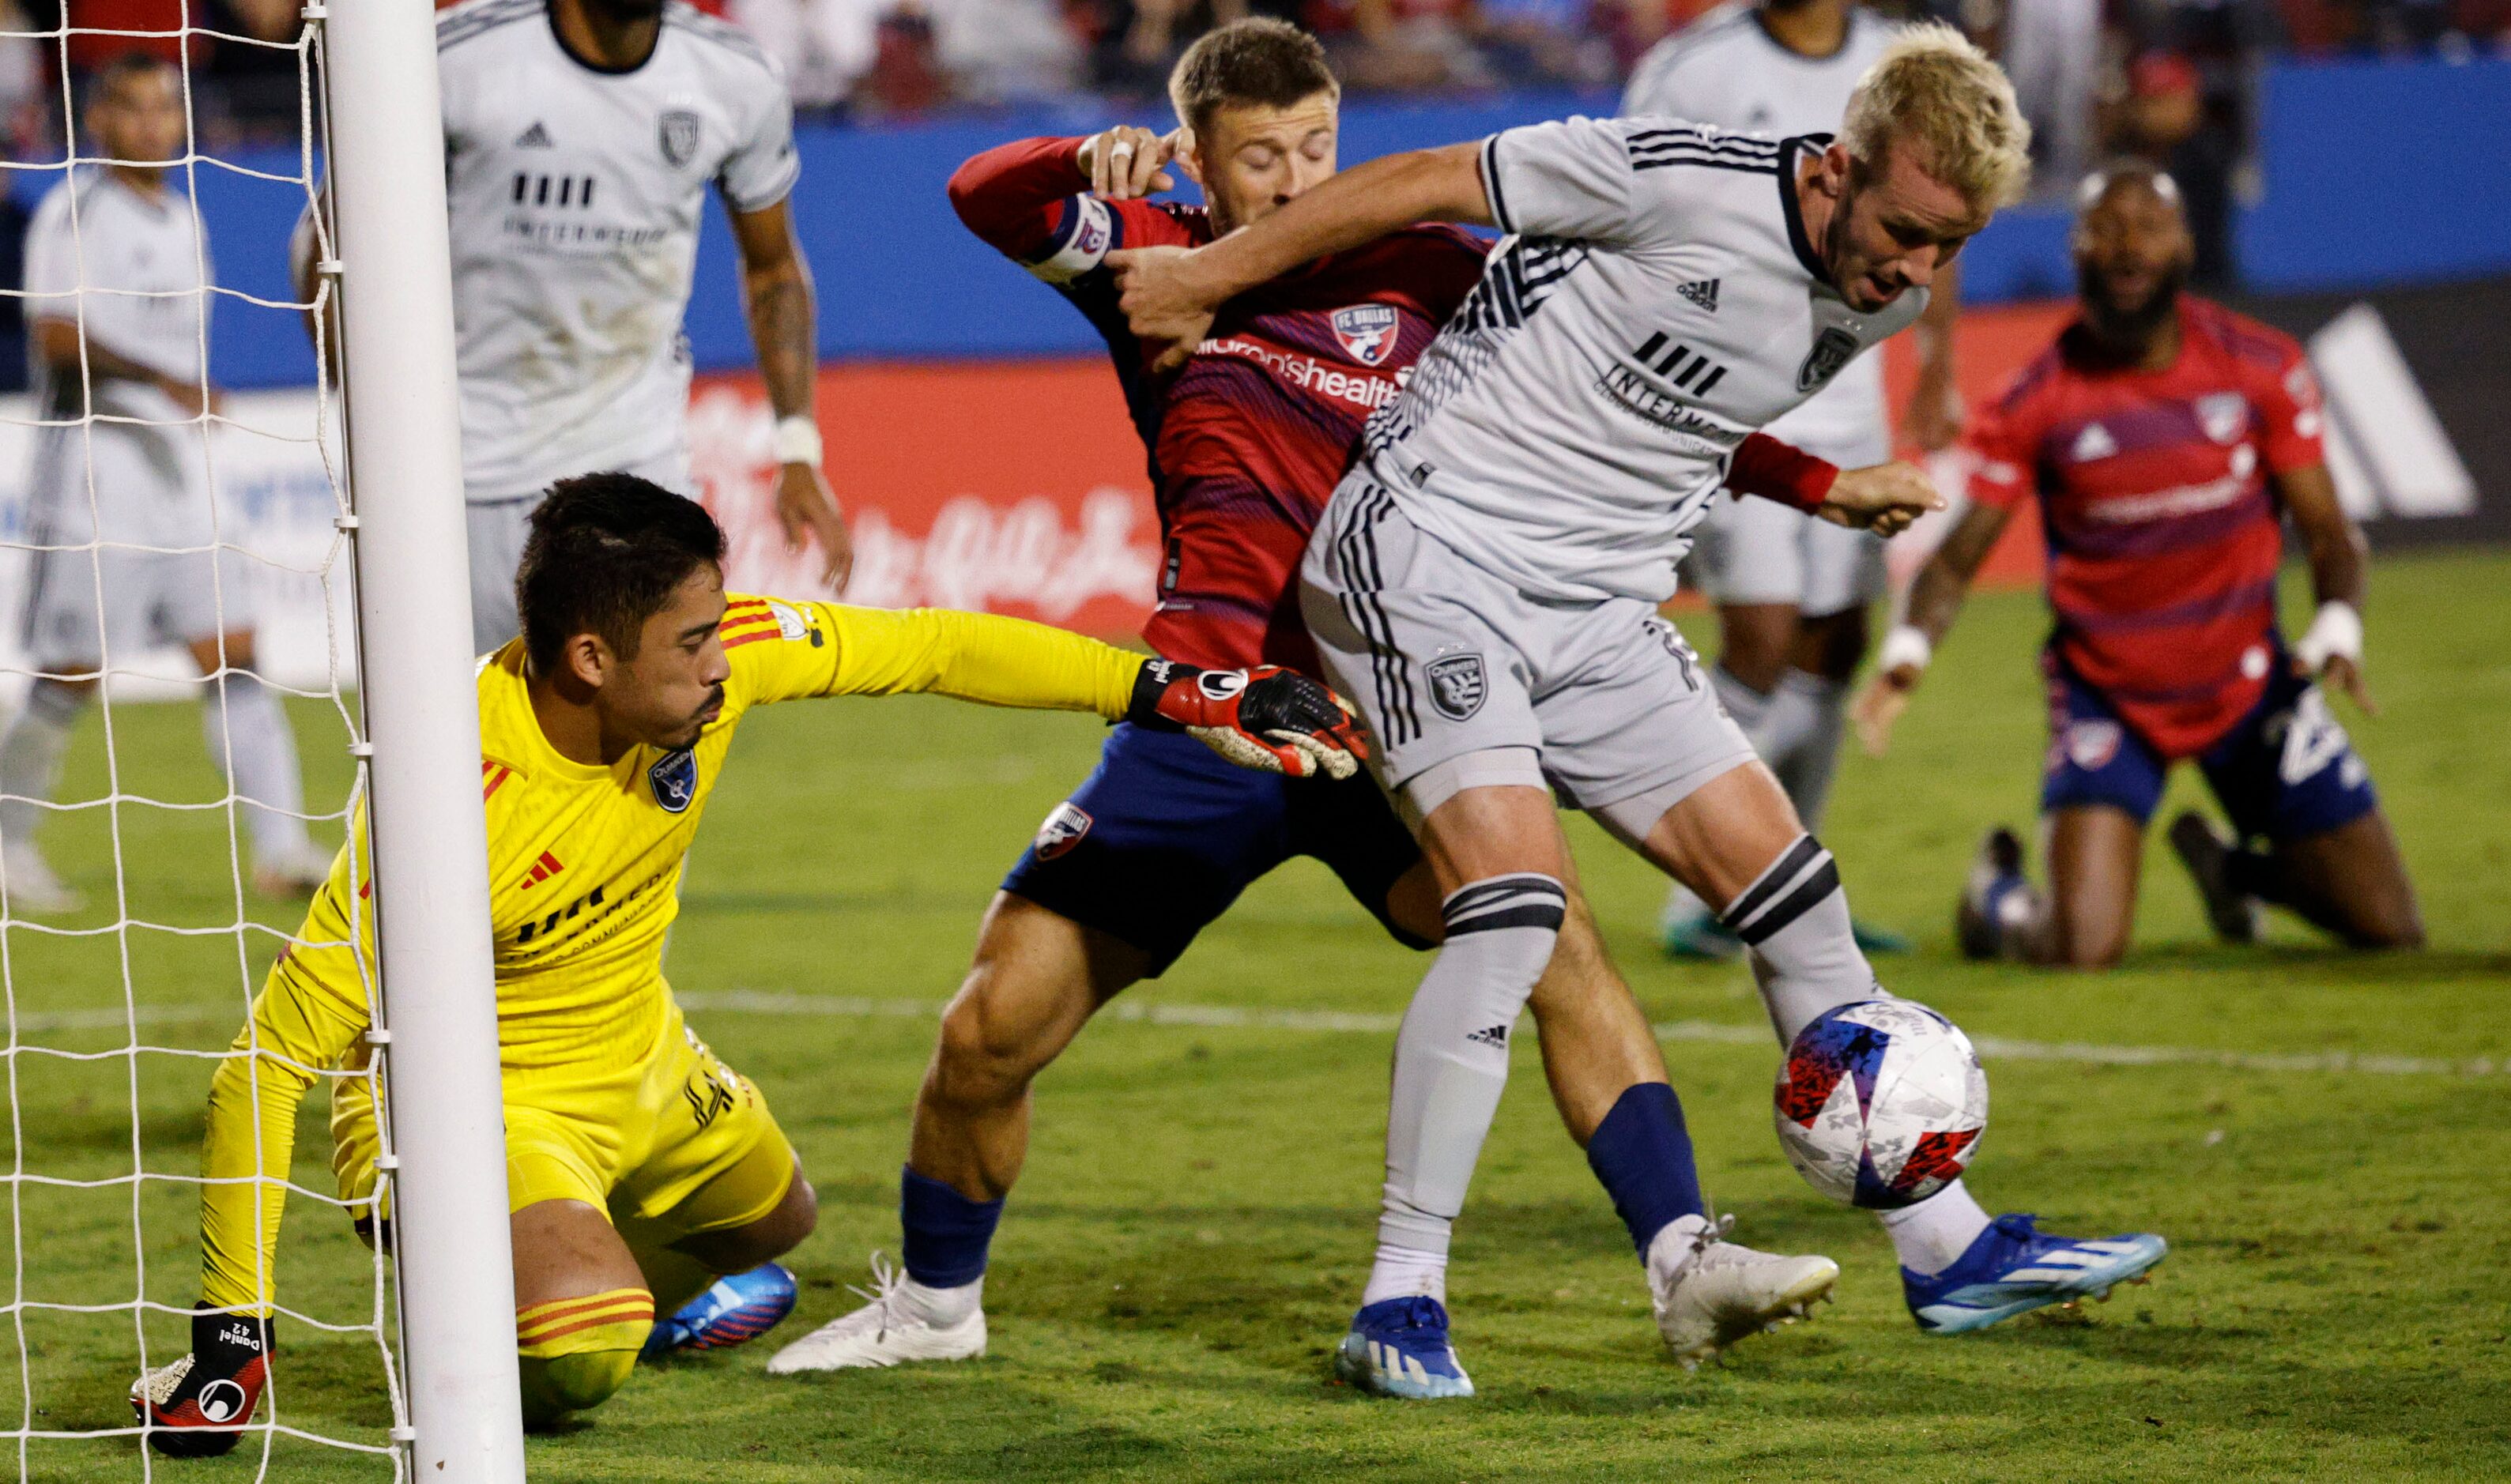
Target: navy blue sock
947,1233
1642,1155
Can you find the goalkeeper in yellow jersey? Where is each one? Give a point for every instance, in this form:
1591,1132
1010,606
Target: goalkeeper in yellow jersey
640,1170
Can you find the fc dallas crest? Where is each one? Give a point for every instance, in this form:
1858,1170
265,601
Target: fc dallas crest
1367,331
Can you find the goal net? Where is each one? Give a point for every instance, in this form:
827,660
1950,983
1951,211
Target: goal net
175,569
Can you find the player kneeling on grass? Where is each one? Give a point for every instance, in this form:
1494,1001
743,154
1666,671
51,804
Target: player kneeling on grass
2165,439
640,1170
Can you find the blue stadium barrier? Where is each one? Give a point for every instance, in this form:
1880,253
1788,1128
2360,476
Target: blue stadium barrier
2363,187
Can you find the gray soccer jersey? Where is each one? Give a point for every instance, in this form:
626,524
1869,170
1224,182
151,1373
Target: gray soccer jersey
142,261
576,196
125,498
1725,69
1656,300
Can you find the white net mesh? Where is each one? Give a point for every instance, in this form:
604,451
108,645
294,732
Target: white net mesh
149,522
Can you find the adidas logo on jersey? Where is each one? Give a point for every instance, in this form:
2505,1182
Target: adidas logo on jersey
1703,293
535,137
2094,442
1491,1036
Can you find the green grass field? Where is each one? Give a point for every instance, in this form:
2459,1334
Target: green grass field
1197,1215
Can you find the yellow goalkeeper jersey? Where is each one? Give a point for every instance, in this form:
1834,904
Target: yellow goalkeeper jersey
584,872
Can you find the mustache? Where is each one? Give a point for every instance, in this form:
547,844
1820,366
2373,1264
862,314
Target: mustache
2092,286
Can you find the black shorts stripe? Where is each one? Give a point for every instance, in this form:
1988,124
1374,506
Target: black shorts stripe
1788,866
1382,504
1796,905
1355,559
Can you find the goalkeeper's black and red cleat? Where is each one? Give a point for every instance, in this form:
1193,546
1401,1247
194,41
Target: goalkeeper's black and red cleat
1268,718
197,1406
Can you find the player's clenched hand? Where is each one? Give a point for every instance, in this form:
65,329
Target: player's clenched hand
1268,718
806,508
1879,706
197,1405
1156,288
1126,162
1882,497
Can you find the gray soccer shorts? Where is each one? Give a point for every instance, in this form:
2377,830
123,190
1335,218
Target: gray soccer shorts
128,510
1755,551
499,526
1443,659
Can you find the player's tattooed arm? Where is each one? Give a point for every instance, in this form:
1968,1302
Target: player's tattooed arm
1170,293
59,344
1927,613
1935,417
2332,648
776,291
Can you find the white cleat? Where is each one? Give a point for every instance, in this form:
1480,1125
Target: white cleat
1711,1293
886,1331
30,888
299,873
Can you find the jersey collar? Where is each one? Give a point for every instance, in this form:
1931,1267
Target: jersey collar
1806,257
550,14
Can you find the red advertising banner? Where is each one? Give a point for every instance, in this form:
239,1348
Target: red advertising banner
1020,486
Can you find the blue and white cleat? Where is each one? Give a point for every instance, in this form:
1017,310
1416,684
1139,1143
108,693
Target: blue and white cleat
2012,1268
736,1310
1398,1348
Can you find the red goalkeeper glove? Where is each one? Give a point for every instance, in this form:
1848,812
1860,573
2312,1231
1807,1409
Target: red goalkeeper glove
196,1407
1268,718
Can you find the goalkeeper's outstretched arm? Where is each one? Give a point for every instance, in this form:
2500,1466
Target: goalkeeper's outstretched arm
1268,718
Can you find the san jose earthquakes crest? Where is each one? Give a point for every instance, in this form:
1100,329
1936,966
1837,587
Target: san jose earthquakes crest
1457,686
1367,331
674,779
1833,349
677,132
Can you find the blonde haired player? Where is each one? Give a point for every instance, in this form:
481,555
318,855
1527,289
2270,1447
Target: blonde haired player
1793,592
1485,580
640,1170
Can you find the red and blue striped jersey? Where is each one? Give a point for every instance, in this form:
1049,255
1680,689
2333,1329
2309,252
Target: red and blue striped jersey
2163,532
1248,438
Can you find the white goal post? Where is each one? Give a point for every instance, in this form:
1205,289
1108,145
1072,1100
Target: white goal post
438,1009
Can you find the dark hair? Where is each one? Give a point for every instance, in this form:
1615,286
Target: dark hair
119,68
606,552
1257,62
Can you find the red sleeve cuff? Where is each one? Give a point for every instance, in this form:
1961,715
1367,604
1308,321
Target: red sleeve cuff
1009,194
1775,470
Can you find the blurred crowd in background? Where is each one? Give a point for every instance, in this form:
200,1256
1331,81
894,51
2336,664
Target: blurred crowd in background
2172,80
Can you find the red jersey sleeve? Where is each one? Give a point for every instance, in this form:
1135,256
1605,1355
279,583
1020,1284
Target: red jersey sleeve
2291,421
1029,200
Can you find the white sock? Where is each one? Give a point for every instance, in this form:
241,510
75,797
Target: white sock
238,712
1807,719
1929,1236
1746,706
1794,919
1402,1273
943,1308
30,758
1452,1064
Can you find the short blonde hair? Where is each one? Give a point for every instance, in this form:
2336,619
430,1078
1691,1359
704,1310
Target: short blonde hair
1937,93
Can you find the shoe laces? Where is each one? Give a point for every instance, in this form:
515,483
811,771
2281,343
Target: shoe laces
1705,1253
888,1286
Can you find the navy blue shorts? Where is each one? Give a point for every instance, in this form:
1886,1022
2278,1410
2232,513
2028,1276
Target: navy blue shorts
1163,835
2286,772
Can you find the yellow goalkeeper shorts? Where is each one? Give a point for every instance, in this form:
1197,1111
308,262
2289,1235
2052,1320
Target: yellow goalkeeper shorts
671,1144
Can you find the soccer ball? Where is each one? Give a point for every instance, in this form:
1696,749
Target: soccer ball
1880,1103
